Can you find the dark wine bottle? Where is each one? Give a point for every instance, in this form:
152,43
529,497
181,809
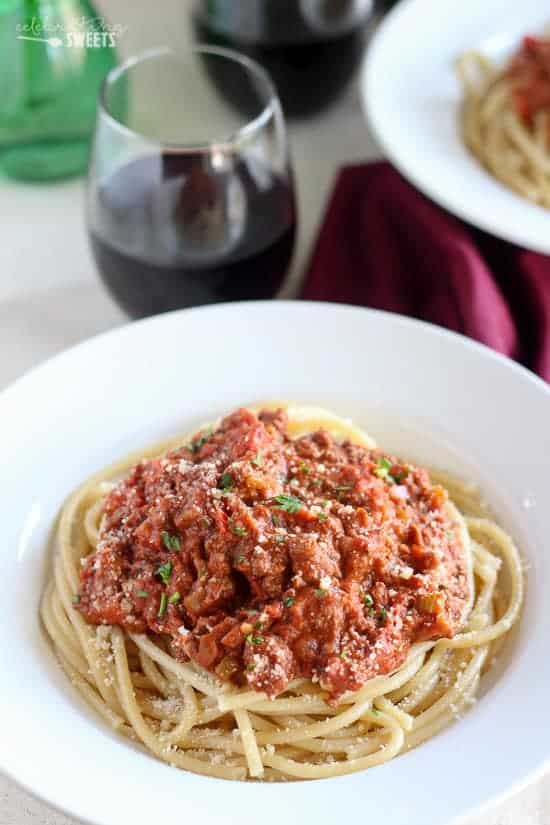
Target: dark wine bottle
311,48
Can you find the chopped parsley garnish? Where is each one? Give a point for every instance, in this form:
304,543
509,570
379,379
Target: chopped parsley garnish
258,460
142,594
368,600
382,615
304,468
237,530
290,504
250,668
375,711
320,593
288,601
344,654
174,598
170,542
194,446
400,476
75,599
383,469
258,626
226,482
254,640
275,520
322,516
164,571
280,539
162,606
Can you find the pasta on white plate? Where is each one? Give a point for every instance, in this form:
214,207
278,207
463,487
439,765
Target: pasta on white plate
505,116
217,720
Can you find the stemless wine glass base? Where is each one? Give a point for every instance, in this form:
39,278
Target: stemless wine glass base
143,289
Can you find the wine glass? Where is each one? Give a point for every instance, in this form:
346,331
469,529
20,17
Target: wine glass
190,197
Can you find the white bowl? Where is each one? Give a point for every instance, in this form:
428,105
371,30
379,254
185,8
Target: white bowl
412,97
420,391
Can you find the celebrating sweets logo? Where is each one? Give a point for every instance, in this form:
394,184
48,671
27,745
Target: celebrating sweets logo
85,32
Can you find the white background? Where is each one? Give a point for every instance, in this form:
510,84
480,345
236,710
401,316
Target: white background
50,296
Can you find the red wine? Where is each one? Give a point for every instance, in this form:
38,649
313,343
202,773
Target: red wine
311,49
169,231
385,5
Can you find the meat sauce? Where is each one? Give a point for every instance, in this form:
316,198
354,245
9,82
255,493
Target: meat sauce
529,72
263,558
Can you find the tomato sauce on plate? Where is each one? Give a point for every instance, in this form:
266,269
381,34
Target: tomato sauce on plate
264,558
529,71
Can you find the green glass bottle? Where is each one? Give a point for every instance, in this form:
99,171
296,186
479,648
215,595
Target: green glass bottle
54,55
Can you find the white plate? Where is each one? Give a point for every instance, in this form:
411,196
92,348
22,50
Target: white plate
419,390
412,97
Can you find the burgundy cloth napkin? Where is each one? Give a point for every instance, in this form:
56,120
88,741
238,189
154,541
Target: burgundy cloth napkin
385,245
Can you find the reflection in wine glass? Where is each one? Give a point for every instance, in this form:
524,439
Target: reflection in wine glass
190,197
202,208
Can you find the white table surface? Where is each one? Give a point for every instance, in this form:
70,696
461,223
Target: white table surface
50,296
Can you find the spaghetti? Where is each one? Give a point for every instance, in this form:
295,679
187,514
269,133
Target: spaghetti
506,117
305,728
